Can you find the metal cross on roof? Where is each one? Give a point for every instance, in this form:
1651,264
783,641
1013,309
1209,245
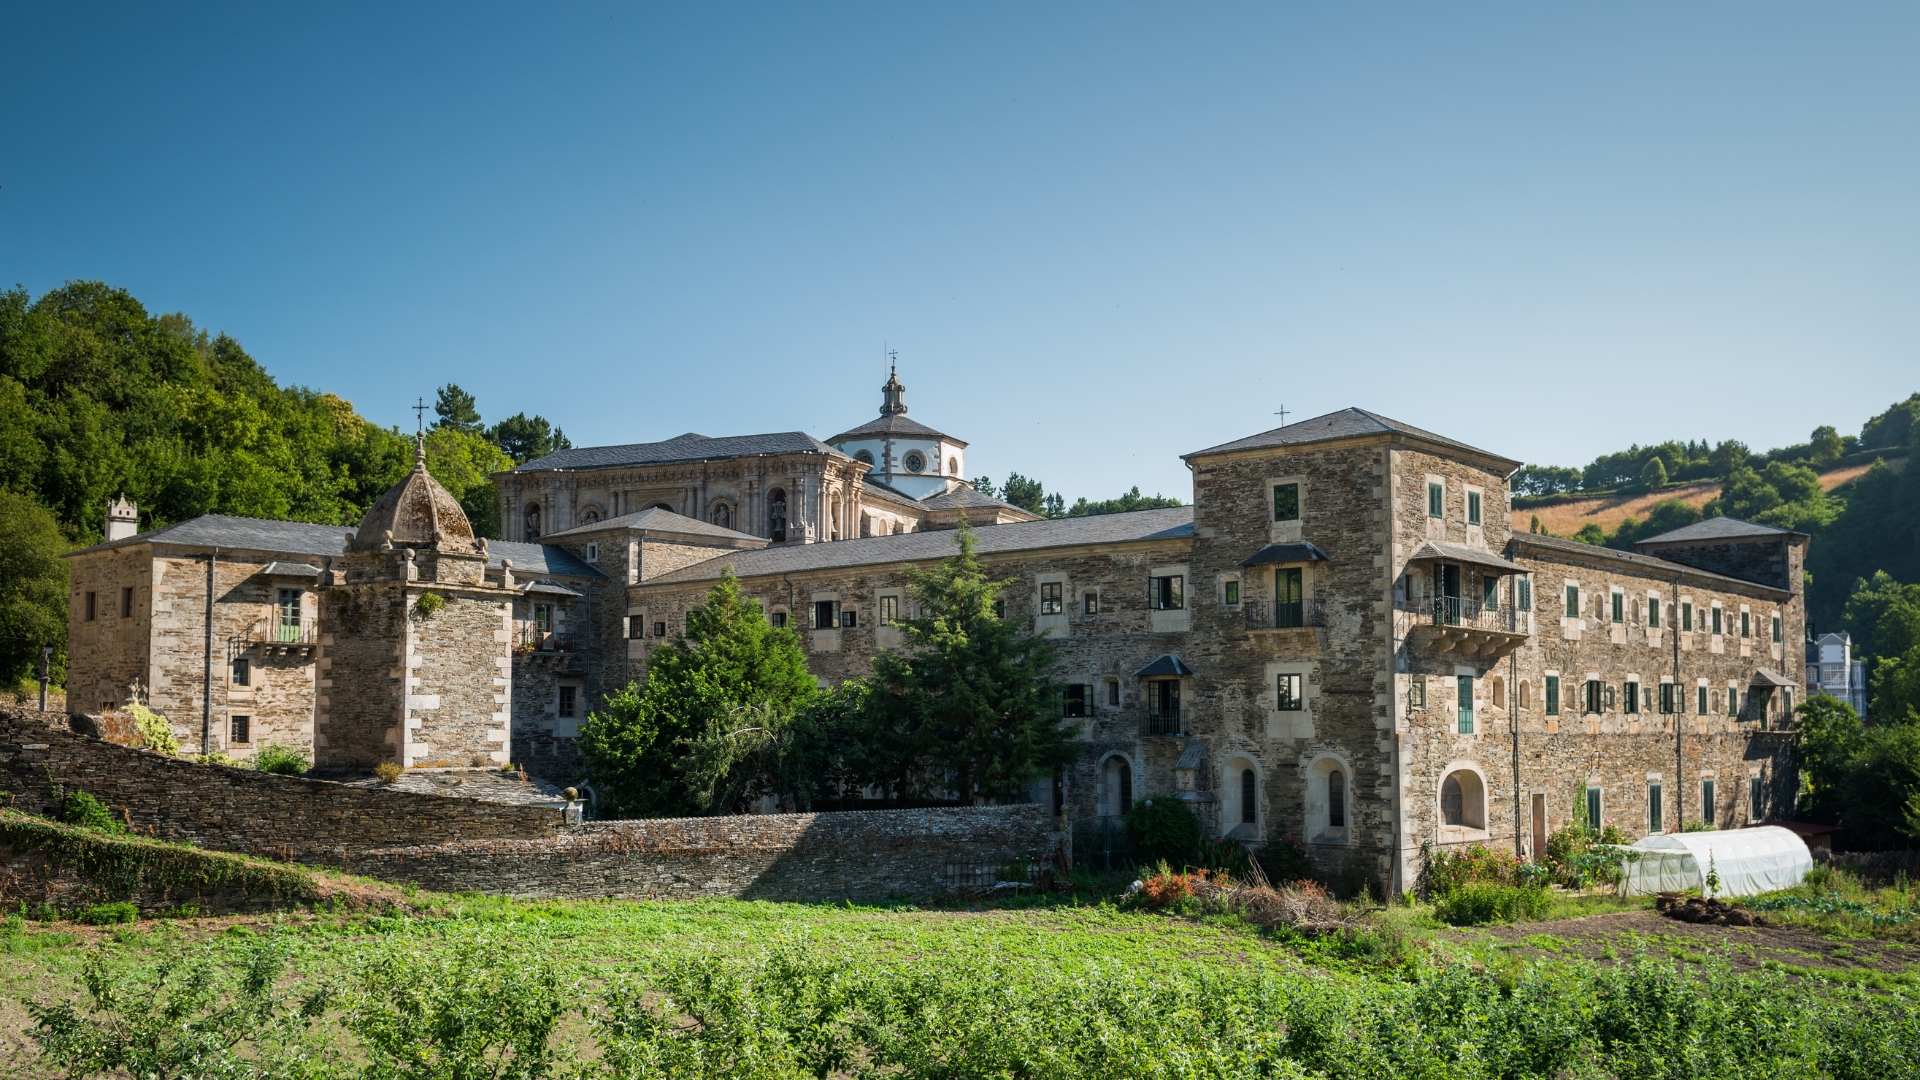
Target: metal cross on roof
420,415
1282,414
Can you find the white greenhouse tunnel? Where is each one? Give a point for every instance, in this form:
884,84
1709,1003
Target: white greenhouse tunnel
1749,861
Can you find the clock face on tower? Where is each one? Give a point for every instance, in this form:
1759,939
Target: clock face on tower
915,462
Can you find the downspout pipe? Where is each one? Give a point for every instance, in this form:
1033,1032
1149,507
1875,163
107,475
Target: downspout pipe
206,688
1679,714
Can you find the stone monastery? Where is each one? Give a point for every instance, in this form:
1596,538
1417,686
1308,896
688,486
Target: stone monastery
1342,639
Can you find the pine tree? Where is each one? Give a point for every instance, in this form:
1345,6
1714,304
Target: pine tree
971,698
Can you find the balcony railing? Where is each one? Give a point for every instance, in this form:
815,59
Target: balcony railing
1163,722
1467,613
1284,614
272,632
532,640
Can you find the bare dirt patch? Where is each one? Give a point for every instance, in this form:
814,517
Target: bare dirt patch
1622,935
1567,518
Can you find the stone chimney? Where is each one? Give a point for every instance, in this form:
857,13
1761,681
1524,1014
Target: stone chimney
123,519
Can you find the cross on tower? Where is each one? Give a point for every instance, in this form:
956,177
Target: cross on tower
420,415
1282,414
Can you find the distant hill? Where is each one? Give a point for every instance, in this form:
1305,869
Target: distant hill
1566,515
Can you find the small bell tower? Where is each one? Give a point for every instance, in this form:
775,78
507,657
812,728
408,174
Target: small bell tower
123,519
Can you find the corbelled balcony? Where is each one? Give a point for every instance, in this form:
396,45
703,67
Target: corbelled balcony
275,637
1465,626
1285,614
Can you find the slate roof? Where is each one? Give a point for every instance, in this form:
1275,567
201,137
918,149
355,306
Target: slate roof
689,447
1435,549
1286,553
1345,424
242,534
1174,523
550,588
1662,567
657,518
290,569
964,496
1716,528
897,426
1167,664
886,492
535,560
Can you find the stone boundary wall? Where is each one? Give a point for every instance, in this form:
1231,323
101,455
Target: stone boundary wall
229,809
858,855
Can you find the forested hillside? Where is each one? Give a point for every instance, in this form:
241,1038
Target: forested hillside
99,397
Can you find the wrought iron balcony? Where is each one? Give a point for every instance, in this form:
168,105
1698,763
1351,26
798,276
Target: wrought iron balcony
1162,723
1284,614
275,638
1464,625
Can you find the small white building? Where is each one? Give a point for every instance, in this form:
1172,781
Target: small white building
1832,670
906,455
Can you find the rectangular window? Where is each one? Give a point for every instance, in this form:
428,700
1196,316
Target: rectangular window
1746,624
1653,612
126,608
1078,699
1417,693
889,610
593,553
660,628
1733,701
1553,695
824,617
1436,500
849,619
1473,508
1286,502
1686,616
1490,593
289,611
1706,801
1465,700
1757,799
1593,808
240,729
1166,593
779,619
1776,629
1594,698
1053,598
1289,597
1653,807
1630,696
90,607
1701,706
1288,698
569,700
1619,608
1573,601
1090,603
1523,593
1233,592
543,618
1113,692
1163,707
1669,697
242,672
1716,618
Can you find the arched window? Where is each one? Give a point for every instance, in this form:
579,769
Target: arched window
1463,801
721,515
865,457
591,517
777,515
533,522
1336,799
953,466
661,506
1249,797
1499,692
1119,782
1526,695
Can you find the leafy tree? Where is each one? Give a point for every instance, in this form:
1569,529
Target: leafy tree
984,485
971,697
704,733
456,410
464,463
1829,738
1789,496
1826,446
1024,493
1666,516
1545,480
1654,476
1164,830
524,438
1127,503
1728,456
33,590
1591,533
1894,428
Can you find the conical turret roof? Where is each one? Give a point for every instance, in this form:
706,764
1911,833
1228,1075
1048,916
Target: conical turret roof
416,512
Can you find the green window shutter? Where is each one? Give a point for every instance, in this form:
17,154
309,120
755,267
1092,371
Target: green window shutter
1553,695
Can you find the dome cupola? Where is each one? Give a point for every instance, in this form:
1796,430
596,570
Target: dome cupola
416,512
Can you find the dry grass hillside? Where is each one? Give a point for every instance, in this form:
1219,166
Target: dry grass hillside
1567,518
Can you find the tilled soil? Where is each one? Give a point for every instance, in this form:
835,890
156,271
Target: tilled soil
1622,935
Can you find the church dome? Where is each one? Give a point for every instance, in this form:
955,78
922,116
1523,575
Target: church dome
416,512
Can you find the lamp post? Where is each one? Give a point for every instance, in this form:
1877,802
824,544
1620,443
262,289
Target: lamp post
46,673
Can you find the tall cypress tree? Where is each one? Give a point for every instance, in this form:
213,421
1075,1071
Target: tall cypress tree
972,697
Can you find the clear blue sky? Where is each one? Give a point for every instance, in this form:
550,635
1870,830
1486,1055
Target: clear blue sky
1098,236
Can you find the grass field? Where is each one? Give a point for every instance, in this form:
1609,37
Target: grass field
476,987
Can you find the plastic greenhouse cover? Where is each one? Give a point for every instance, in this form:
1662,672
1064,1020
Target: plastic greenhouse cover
1750,861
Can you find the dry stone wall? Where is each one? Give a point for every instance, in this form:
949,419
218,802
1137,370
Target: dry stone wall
858,855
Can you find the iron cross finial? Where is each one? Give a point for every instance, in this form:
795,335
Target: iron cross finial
1282,414
420,415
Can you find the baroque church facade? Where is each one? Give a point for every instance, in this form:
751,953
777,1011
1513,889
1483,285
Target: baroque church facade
1341,643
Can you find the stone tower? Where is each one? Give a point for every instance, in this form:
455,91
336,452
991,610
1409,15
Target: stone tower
416,656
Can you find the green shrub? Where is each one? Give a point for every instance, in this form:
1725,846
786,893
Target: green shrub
1284,859
1449,868
155,732
1164,829
82,809
1478,903
1225,856
476,1010
107,914
285,760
